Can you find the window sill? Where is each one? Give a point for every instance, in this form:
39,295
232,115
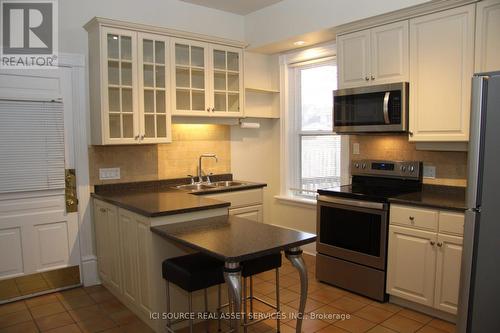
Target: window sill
296,201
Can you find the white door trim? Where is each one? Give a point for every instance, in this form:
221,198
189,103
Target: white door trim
81,135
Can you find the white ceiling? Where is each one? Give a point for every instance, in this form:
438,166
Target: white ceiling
241,7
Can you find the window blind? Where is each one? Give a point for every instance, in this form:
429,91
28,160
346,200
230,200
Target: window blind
31,146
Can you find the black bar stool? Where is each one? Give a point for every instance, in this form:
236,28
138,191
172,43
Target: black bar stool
192,272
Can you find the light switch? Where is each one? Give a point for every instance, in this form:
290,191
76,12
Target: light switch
429,171
109,173
355,148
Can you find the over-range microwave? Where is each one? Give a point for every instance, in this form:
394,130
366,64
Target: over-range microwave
378,108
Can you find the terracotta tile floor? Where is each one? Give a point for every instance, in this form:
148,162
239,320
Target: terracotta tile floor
94,309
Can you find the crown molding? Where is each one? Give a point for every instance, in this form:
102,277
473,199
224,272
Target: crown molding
401,14
100,21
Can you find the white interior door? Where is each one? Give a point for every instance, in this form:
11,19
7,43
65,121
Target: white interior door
36,232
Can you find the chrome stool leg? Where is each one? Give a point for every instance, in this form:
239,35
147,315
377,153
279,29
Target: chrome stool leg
190,310
207,320
251,294
168,305
219,292
278,300
245,313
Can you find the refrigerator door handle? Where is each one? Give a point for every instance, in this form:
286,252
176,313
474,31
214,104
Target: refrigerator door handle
475,142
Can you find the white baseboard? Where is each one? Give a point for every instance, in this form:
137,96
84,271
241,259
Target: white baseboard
424,309
90,276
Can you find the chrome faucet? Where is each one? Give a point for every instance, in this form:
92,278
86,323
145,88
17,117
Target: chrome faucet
200,172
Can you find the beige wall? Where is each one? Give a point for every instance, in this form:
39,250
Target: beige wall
451,167
174,160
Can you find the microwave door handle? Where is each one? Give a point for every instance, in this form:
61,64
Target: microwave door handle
386,108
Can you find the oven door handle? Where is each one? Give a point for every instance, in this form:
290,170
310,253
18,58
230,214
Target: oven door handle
386,108
354,203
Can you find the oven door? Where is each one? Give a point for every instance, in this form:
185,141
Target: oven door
381,108
353,230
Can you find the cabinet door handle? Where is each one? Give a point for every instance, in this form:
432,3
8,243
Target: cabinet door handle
142,137
103,210
213,109
432,243
367,78
136,137
208,109
373,77
440,244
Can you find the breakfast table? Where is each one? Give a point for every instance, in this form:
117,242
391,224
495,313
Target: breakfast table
234,239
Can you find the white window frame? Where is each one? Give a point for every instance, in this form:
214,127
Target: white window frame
289,143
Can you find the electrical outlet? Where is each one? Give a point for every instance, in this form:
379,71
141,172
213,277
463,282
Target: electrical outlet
355,148
109,173
429,171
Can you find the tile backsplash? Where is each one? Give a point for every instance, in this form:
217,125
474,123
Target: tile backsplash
163,161
451,166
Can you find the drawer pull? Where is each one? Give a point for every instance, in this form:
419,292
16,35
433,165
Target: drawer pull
103,210
433,243
440,244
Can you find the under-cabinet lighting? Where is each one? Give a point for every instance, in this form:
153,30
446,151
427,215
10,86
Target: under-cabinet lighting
299,43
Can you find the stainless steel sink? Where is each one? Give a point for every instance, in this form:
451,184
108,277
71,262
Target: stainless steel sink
226,183
195,187
209,186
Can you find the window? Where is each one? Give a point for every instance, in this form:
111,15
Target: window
315,156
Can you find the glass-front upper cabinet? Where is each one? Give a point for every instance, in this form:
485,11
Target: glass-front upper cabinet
120,122
154,93
227,80
190,60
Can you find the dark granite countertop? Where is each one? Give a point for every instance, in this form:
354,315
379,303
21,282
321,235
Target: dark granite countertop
159,198
233,239
435,196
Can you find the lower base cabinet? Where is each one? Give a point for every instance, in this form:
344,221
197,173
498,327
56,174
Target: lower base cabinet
424,265
247,203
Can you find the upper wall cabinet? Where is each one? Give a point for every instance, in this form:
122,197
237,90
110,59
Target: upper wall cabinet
441,67
487,41
129,87
141,75
208,79
374,56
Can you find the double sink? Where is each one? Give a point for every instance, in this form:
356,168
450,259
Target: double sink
210,186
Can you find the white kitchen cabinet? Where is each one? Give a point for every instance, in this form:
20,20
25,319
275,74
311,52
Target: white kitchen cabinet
487,42
254,213
246,203
353,59
129,255
389,53
154,88
424,256
374,56
208,79
441,67
129,86
108,244
411,264
449,259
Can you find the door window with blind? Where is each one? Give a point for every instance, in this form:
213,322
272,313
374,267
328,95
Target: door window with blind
318,150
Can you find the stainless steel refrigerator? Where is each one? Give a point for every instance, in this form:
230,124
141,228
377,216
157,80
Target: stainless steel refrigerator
479,299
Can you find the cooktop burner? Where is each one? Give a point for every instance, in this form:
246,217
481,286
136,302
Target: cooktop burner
379,180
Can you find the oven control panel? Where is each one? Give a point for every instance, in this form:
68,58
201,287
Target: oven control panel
393,169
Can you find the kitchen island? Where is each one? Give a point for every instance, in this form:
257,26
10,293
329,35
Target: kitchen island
131,224
233,240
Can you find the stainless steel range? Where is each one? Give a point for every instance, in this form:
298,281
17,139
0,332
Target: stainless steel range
352,225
